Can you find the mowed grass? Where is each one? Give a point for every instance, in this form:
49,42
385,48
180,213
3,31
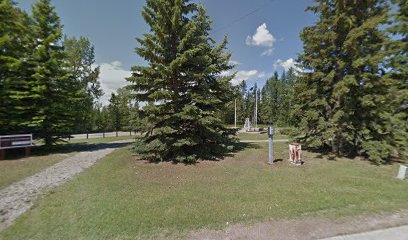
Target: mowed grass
123,198
16,166
13,170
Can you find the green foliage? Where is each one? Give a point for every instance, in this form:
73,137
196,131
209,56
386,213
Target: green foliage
398,97
344,93
277,97
55,89
182,84
80,57
275,101
16,93
115,117
46,87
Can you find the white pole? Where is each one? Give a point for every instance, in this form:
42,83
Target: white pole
235,119
256,107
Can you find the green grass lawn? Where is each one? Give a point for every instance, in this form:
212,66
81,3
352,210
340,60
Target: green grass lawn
123,198
16,167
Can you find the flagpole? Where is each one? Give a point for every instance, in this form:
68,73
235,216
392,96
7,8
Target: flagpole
256,107
235,117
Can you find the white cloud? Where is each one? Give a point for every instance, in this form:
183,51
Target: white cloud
285,64
247,75
234,62
261,38
268,52
112,77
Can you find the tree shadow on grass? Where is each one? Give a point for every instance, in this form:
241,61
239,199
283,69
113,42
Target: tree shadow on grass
238,147
330,156
38,151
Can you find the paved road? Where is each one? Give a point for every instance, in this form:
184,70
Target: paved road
100,135
18,197
397,233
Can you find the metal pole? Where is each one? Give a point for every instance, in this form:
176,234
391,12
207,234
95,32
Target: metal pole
270,134
270,151
235,118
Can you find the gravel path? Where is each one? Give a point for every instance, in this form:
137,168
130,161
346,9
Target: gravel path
19,197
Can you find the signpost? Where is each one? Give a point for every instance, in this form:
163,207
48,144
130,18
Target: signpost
271,132
15,141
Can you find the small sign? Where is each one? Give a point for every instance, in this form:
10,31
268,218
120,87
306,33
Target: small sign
271,131
402,173
16,141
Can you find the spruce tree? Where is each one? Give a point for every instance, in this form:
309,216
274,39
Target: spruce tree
55,89
272,100
241,103
182,84
398,63
80,57
115,115
342,93
15,82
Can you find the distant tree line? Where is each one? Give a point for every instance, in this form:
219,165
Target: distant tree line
48,83
121,114
275,101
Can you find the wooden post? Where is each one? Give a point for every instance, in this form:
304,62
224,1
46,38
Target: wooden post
2,154
27,151
103,134
87,137
116,133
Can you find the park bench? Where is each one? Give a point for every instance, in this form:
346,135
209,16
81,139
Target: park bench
16,141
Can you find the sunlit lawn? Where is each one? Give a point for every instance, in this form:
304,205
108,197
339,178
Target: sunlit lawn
123,198
17,167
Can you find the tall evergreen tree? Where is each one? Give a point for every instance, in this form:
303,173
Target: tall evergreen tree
272,102
398,63
241,103
115,115
55,89
291,95
342,92
80,57
15,82
182,83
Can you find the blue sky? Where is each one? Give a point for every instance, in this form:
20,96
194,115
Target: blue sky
263,34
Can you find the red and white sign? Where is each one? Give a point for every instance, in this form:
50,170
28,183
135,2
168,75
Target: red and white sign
295,153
